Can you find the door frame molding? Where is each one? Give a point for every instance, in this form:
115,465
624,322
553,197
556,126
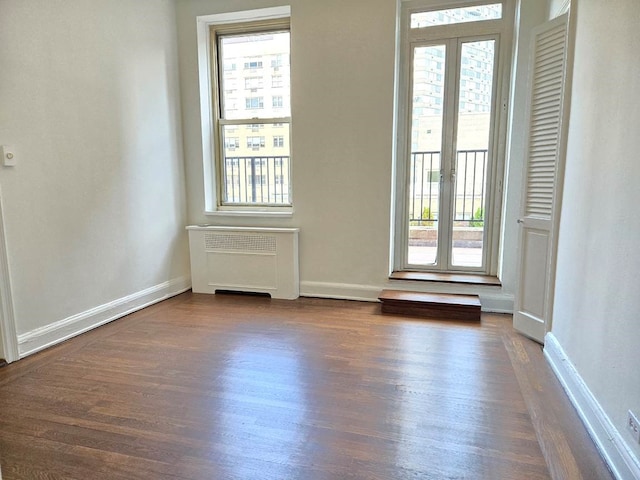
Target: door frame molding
569,8
8,333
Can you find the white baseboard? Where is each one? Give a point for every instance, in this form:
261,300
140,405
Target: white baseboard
8,336
614,449
41,338
497,302
491,302
341,291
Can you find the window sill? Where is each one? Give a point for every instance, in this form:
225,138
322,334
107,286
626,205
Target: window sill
251,213
460,278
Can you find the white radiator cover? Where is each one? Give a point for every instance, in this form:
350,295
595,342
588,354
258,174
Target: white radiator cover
245,259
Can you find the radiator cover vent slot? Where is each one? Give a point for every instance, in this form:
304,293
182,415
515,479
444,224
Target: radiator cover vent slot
235,242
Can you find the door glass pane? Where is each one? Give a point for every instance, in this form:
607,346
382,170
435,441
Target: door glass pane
474,124
426,145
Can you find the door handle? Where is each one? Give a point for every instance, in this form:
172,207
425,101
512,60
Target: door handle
520,220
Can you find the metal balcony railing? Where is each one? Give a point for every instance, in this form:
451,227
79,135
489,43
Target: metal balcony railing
257,180
266,180
469,188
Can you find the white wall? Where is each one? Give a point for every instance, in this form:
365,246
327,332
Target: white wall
342,109
95,209
596,317
343,54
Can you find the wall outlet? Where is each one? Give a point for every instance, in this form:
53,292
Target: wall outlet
8,156
633,425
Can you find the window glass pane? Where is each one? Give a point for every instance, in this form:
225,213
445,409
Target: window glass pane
256,164
474,125
456,15
253,65
426,145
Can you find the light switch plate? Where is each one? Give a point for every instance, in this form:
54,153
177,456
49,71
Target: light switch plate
8,156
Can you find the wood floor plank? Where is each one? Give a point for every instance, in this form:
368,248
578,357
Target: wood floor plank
226,387
564,441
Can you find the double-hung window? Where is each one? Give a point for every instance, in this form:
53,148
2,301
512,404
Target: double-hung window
248,55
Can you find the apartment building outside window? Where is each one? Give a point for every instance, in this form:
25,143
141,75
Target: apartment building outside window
251,83
231,143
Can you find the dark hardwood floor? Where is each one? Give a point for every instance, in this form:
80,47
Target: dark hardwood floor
227,387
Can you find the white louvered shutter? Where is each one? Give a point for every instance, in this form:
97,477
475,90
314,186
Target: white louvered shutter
533,301
545,119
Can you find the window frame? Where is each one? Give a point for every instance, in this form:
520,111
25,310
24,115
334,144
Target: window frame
246,21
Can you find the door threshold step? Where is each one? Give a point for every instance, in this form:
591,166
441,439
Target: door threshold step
463,278
441,306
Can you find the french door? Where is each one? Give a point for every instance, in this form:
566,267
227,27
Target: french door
450,152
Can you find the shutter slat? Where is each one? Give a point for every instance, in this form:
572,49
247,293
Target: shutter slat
545,110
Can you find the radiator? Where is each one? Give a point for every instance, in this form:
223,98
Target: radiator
244,259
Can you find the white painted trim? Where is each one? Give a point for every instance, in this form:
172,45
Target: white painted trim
251,213
564,8
206,112
614,449
8,335
491,298
258,14
340,291
497,303
221,228
44,337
